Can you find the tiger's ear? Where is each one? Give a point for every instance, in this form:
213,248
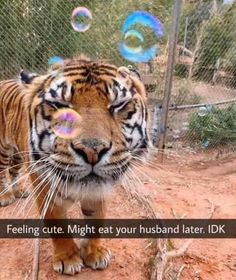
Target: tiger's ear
27,78
137,81
123,72
134,72
127,72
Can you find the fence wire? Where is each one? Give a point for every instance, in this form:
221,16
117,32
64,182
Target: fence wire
204,92
32,31
202,112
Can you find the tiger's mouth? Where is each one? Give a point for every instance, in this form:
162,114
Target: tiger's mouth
87,175
91,178
72,176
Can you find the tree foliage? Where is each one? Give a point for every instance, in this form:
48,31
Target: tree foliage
213,23
32,31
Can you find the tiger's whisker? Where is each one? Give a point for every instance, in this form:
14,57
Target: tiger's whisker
8,188
43,183
25,203
49,196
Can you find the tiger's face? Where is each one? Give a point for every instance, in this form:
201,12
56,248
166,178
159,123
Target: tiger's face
111,103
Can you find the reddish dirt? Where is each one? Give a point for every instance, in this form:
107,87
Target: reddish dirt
181,185
213,93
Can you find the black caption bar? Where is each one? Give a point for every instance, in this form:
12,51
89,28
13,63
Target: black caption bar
118,228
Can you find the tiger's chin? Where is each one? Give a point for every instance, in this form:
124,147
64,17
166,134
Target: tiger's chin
75,186
92,178
88,179
90,187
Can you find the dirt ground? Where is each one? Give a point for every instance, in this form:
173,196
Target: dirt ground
183,185
213,93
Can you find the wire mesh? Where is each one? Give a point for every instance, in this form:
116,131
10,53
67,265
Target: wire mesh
203,100
204,87
32,31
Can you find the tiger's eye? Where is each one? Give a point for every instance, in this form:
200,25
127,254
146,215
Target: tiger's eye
66,123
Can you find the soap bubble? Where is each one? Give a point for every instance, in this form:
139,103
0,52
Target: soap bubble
185,126
140,33
205,144
81,19
55,60
209,107
176,133
66,123
202,111
134,41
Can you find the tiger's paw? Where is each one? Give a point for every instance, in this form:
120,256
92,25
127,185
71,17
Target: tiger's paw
68,263
96,257
21,193
7,199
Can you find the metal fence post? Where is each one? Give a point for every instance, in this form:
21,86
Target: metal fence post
185,34
169,70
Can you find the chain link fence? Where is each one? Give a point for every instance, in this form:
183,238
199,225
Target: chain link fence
33,31
203,100
202,111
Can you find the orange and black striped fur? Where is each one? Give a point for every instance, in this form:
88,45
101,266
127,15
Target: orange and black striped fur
13,138
112,104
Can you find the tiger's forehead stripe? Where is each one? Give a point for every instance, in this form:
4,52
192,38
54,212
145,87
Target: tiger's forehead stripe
61,85
91,68
73,74
87,65
80,72
103,72
89,73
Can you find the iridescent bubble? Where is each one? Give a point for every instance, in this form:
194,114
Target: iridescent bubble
55,60
140,33
81,19
205,144
66,123
176,133
209,107
185,126
202,111
133,41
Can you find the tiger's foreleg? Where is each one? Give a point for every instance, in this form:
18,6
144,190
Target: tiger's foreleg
66,254
6,192
93,253
16,171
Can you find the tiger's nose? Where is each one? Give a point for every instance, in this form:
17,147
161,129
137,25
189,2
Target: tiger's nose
91,150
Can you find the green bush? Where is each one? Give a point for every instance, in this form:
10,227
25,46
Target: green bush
230,67
216,127
181,70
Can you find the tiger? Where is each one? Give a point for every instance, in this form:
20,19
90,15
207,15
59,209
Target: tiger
112,104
